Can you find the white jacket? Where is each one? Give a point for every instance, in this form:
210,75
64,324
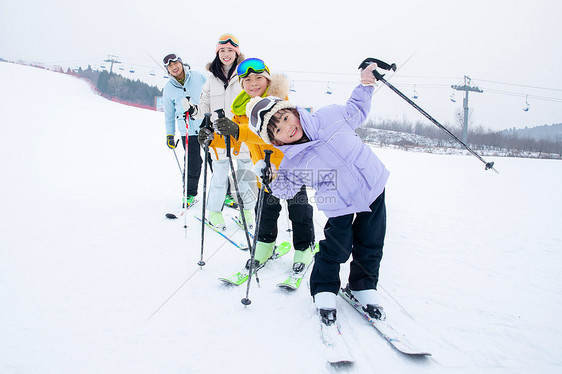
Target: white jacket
214,96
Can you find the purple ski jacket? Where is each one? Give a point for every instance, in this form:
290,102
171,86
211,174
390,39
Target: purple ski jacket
345,173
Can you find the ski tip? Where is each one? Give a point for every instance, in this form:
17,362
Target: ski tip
171,216
228,282
286,287
342,363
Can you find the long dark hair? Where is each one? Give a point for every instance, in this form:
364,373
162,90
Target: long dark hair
216,70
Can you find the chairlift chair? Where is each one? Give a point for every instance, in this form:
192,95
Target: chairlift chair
131,70
328,90
415,96
527,105
152,72
292,88
452,97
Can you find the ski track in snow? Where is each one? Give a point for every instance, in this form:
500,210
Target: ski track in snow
94,279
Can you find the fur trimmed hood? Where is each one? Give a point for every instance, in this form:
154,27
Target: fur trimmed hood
279,86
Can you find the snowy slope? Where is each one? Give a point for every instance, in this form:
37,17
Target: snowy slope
94,279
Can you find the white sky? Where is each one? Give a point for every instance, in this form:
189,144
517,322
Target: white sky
515,43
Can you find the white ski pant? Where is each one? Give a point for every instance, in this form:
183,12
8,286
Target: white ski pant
247,184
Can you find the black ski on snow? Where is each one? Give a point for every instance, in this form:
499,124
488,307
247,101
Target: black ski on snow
174,216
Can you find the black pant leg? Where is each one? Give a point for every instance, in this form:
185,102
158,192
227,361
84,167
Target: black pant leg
335,250
300,214
194,162
267,232
369,230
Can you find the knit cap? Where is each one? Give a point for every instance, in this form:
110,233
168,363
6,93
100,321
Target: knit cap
260,110
228,40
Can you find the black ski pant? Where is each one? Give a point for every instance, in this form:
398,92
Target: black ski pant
194,162
360,235
300,214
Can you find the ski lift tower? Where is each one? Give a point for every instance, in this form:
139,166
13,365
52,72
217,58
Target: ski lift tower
113,60
466,88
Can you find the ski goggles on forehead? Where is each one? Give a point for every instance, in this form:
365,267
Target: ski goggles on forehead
259,111
229,38
170,58
251,65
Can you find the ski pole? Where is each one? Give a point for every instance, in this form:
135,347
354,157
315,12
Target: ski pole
220,114
289,223
177,160
185,172
265,175
380,77
205,124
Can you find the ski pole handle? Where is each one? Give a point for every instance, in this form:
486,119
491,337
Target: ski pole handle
266,170
220,114
206,123
267,157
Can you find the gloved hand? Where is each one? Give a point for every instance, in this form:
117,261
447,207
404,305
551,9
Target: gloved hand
224,126
189,108
265,174
205,136
170,141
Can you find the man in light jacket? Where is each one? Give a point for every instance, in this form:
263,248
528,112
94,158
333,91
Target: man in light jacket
180,97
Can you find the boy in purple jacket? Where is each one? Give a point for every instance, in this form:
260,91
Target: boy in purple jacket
323,151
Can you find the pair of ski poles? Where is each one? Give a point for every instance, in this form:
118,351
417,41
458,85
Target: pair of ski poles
251,244
207,124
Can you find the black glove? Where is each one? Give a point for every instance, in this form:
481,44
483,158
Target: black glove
205,136
170,141
224,126
190,109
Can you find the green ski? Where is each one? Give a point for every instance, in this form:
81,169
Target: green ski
242,276
299,271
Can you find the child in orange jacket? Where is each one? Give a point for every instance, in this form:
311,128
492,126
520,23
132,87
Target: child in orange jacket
256,80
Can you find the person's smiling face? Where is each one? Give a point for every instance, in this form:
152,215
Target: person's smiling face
176,69
227,56
288,130
254,84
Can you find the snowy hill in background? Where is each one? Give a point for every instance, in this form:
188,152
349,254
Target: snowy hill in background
551,133
94,279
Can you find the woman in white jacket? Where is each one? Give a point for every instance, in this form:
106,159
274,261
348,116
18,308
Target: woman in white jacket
219,92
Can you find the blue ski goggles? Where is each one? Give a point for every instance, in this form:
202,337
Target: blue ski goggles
251,65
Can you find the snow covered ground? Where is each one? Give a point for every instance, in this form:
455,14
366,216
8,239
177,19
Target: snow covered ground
94,279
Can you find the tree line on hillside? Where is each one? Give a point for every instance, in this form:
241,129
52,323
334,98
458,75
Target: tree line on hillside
114,85
478,137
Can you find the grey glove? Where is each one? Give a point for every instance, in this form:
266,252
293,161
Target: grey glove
224,126
205,136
